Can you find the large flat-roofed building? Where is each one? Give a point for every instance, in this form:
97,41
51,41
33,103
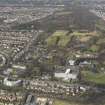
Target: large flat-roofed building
71,73
11,83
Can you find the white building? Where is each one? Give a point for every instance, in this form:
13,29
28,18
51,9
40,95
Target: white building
71,73
71,62
11,83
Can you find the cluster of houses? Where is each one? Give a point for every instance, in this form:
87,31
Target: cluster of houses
54,88
14,39
32,100
43,88
46,88
25,15
14,42
40,91
10,98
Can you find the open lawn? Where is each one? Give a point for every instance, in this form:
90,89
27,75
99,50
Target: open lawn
76,33
97,78
59,38
94,48
84,36
60,33
64,41
60,102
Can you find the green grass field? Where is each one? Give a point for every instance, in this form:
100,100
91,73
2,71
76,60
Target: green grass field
97,78
76,33
84,36
62,102
94,48
59,38
60,33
